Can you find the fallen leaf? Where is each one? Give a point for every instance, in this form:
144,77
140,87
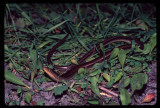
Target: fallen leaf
34,103
20,22
103,82
14,93
75,18
142,25
36,90
78,89
57,30
149,97
74,61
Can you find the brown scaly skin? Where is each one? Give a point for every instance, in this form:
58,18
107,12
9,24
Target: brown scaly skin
72,69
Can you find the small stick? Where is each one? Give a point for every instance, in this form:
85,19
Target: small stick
105,94
104,89
72,84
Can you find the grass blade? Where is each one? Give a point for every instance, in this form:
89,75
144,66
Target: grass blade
52,28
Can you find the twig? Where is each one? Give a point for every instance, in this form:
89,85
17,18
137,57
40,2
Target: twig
104,89
105,94
72,84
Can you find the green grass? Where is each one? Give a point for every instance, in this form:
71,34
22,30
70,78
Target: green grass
31,30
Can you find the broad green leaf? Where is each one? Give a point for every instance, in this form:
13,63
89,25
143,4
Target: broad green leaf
97,66
94,73
94,81
147,48
153,41
136,69
126,82
60,89
107,77
12,78
52,28
81,70
125,97
122,57
143,77
114,53
93,101
6,48
134,83
19,90
94,86
28,97
120,84
119,75
138,80
126,68
137,58
139,86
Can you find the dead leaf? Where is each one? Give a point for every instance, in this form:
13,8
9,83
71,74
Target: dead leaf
142,24
20,22
78,89
75,18
149,97
57,30
34,103
74,61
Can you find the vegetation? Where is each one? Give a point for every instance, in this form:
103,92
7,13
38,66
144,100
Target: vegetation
31,30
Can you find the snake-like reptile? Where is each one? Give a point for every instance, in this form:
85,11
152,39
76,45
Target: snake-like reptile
72,69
